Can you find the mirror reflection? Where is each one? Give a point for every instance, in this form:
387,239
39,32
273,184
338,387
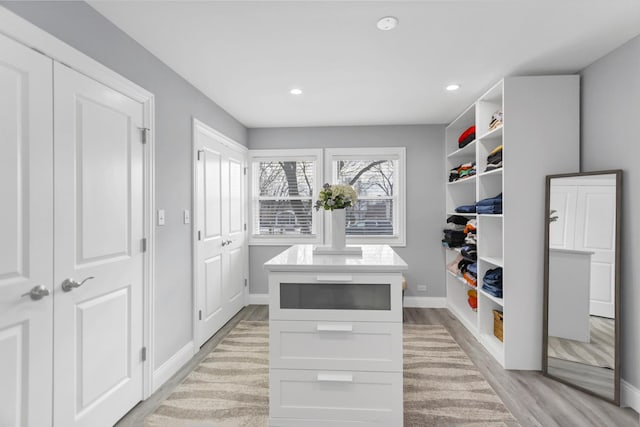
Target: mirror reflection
581,334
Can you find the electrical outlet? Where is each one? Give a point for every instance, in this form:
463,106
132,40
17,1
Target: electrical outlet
422,288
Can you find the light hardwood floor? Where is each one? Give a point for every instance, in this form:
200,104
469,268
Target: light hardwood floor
532,398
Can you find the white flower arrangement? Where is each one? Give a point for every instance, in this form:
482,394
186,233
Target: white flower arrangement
336,196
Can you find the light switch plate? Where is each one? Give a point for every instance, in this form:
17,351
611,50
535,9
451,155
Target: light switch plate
186,216
160,216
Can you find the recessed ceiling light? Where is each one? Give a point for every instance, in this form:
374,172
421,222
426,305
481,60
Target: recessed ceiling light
295,91
387,23
452,87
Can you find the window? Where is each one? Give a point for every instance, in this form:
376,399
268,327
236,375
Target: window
284,186
378,176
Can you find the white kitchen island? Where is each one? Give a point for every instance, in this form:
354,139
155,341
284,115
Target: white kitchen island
335,338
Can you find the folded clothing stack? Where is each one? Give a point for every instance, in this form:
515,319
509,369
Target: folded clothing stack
454,234
470,231
497,119
490,205
494,159
465,170
492,282
466,208
466,137
472,299
470,273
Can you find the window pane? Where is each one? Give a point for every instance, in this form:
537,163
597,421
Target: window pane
278,217
285,179
370,217
370,178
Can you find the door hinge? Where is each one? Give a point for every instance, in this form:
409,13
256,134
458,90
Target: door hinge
245,283
143,354
199,314
200,152
144,245
245,226
199,235
245,171
145,134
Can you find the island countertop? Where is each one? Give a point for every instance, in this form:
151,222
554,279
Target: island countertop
375,258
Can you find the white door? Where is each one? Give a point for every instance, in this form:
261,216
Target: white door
562,203
221,254
26,236
98,206
596,232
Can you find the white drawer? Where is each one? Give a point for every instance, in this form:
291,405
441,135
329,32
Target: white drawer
371,397
363,346
336,296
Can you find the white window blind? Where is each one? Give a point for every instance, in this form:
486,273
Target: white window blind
284,186
377,175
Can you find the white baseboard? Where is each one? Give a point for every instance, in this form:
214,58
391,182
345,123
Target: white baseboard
425,302
629,396
171,366
259,299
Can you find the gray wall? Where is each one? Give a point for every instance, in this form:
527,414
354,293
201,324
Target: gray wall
425,192
610,115
80,26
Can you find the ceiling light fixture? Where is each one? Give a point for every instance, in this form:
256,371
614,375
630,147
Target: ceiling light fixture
295,91
452,87
387,23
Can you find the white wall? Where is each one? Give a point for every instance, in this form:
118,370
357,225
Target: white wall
610,140
80,26
425,192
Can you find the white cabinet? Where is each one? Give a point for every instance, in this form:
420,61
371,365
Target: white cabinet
335,338
539,136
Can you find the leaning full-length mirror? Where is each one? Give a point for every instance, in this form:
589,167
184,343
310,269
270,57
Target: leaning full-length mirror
582,282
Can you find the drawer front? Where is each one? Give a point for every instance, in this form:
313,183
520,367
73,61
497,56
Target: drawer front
373,397
364,346
333,296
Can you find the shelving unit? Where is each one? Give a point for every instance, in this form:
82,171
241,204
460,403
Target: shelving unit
540,136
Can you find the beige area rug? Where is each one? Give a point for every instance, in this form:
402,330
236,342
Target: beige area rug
599,352
230,387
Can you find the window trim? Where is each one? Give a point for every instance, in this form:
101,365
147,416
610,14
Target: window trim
313,154
399,205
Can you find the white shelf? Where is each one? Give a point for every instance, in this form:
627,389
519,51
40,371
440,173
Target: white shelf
493,172
465,315
498,262
492,134
468,150
494,346
461,280
531,100
460,214
469,180
497,300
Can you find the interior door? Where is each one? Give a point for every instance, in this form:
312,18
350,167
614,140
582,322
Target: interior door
98,272
220,246
26,236
563,206
596,232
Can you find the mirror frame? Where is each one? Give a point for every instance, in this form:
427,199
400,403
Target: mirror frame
545,325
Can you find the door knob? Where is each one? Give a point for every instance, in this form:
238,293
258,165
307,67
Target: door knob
70,284
227,242
37,292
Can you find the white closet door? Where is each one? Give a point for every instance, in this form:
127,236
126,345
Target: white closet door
26,235
220,247
563,202
596,232
98,242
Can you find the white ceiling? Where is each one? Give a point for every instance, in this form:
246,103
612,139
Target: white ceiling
247,55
